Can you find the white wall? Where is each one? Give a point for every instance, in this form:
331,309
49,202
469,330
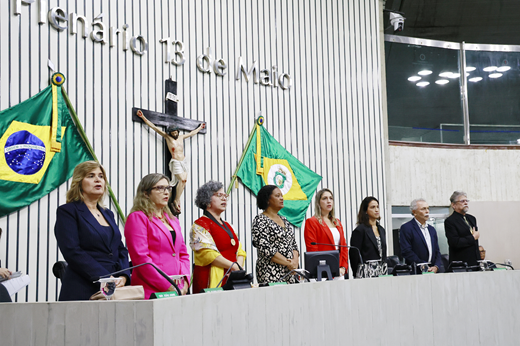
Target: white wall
330,119
487,175
499,230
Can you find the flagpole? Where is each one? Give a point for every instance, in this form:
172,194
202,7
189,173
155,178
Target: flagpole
91,150
234,176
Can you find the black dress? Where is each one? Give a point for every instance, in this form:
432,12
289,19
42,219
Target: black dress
269,238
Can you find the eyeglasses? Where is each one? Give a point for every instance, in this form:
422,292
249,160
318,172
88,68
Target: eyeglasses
463,201
221,195
162,188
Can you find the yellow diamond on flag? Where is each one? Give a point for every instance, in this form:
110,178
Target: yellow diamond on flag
25,152
278,172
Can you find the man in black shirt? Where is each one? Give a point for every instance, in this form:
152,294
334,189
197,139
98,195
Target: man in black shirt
461,231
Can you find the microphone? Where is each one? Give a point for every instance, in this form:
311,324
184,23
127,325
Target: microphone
163,274
347,246
227,272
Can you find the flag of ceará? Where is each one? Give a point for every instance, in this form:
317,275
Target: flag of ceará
266,162
39,148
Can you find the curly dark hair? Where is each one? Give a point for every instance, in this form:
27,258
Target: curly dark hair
362,217
204,193
262,198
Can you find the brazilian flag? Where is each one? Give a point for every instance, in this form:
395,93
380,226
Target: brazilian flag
266,162
40,146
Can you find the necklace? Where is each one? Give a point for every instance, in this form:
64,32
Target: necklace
95,213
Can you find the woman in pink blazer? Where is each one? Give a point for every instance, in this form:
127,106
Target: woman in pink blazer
153,235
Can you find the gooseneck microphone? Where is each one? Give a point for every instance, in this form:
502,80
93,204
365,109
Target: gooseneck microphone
227,272
163,274
347,246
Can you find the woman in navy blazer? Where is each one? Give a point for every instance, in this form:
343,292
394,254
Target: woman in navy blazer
88,236
369,237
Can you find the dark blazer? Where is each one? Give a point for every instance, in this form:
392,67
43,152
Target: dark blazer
364,239
413,245
463,247
89,254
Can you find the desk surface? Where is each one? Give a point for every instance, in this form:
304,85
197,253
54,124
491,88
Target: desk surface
481,308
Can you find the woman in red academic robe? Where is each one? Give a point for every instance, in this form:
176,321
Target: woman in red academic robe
215,245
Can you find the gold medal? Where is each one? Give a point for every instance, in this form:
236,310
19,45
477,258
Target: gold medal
233,242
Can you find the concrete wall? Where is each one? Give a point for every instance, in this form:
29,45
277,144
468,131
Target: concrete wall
438,309
434,173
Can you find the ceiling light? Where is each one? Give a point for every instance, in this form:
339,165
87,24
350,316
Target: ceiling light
475,79
503,68
454,75
495,75
489,69
422,84
442,81
470,68
414,78
424,72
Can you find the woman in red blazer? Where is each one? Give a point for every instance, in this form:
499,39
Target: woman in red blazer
324,228
153,235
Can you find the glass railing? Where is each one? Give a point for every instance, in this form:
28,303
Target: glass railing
431,100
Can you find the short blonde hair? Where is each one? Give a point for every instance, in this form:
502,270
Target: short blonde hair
142,200
317,207
80,172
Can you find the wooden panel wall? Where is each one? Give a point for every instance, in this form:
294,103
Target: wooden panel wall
330,119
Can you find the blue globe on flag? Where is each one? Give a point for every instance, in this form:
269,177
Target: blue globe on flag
24,153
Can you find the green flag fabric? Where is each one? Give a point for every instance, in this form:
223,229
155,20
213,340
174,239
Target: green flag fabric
266,162
40,146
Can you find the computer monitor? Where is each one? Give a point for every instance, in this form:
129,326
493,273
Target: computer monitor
312,261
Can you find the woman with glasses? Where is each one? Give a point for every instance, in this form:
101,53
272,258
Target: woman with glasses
274,238
153,235
215,245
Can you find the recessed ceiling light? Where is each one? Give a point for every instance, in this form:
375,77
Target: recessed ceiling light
475,79
495,75
454,75
422,84
470,68
442,81
424,72
414,78
445,74
503,68
489,68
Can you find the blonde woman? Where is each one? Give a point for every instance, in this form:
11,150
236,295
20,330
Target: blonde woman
325,228
153,235
87,235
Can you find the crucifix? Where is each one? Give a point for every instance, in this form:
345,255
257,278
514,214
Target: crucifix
178,163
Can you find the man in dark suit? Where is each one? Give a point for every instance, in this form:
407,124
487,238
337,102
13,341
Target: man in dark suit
461,231
418,240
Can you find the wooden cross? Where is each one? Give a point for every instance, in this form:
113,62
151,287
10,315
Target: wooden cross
169,117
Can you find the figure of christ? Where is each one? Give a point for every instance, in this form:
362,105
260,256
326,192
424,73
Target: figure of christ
178,164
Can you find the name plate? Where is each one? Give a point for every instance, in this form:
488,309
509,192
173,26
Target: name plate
161,295
211,290
277,283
